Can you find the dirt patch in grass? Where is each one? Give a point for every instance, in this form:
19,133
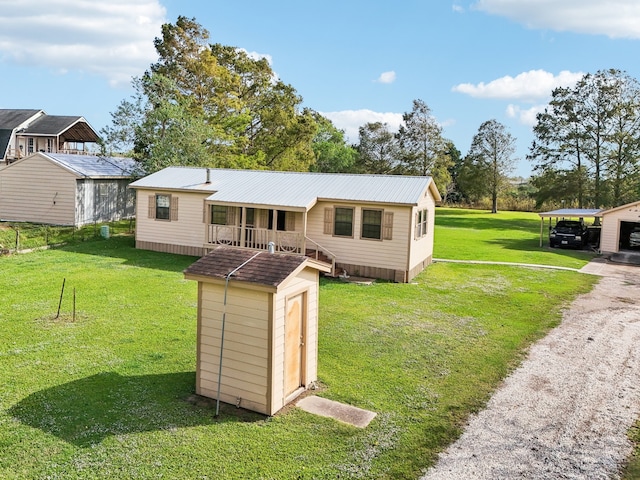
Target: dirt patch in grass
566,411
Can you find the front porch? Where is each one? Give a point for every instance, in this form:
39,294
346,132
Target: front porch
254,238
260,238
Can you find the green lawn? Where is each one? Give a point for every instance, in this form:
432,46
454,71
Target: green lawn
109,395
504,236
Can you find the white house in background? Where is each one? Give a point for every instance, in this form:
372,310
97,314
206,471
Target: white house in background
378,226
24,132
64,189
620,229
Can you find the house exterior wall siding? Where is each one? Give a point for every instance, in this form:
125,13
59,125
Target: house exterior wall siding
382,254
188,232
38,192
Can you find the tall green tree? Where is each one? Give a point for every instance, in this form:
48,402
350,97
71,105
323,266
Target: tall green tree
453,192
559,141
332,153
423,150
623,158
589,134
489,161
378,150
232,107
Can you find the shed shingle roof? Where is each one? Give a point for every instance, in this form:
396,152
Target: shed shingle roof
269,269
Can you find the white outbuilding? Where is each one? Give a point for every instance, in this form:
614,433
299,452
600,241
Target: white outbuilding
621,232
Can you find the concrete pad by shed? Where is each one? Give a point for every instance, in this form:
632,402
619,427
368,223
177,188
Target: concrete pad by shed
355,416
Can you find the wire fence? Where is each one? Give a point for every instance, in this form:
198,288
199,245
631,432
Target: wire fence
18,237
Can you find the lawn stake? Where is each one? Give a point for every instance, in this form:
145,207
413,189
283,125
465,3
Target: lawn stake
74,304
61,293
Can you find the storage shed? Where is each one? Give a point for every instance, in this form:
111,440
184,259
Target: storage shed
66,189
257,334
621,231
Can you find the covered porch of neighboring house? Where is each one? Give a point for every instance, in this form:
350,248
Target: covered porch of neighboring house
256,228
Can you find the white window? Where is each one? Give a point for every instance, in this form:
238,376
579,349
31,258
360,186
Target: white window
422,222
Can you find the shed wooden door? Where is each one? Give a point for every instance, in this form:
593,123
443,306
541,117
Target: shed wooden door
294,343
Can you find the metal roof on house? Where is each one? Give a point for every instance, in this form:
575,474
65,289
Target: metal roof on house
262,268
93,166
289,189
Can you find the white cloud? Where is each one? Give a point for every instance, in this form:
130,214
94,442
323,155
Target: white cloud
614,18
528,86
387,77
525,116
351,120
109,38
457,8
258,56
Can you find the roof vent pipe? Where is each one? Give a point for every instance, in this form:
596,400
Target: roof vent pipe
208,176
271,247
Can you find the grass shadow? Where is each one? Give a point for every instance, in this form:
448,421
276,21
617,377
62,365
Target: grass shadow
529,245
86,411
123,247
483,223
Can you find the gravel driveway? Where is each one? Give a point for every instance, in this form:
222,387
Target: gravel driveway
565,412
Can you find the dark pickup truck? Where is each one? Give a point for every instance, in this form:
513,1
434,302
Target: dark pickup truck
568,233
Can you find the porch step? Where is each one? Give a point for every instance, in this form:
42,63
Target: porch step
321,256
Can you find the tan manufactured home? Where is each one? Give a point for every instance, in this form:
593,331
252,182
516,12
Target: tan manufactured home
620,229
377,226
65,189
257,338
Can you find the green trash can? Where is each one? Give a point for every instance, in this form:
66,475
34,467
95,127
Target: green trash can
104,231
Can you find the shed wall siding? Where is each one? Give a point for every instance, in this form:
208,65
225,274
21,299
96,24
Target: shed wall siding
384,254
188,231
37,191
305,281
610,233
245,352
103,200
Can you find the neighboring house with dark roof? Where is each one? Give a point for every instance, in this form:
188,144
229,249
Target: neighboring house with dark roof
23,132
64,189
378,226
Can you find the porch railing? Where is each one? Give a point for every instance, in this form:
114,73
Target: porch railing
17,154
255,238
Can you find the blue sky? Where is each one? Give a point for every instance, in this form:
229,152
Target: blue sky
354,61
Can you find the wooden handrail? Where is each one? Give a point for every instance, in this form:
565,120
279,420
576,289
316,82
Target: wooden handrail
329,253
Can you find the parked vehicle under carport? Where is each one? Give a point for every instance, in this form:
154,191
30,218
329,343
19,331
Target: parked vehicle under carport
568,233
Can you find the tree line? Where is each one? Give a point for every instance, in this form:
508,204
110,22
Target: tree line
207,104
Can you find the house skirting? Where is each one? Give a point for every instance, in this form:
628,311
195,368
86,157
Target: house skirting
169,248
398,276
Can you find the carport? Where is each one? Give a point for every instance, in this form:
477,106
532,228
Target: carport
566,214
